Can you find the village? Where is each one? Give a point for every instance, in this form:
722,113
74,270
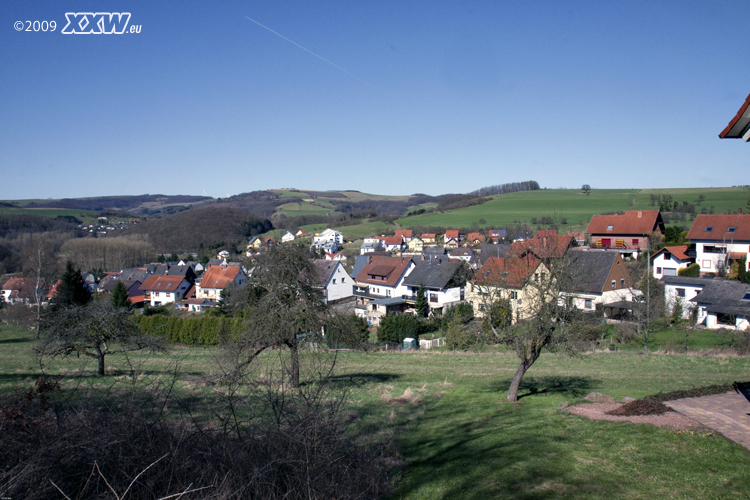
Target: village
701,278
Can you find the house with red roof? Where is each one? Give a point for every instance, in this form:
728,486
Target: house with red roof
216,279
19,291
517,279
720,240
626,232
161,289
393,244
405,234
429,238
379,286
545,245
669,260
451,238
474,239
739,126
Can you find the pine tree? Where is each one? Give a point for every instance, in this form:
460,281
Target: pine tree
120,296
73,290
421,305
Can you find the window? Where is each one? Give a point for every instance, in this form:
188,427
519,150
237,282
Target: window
513,295
709,229
343,280
746,296
680,292
731,229
667,255
388,293
622,282
334,281
433,297
658,270
610,227
614,284
635,242
588,304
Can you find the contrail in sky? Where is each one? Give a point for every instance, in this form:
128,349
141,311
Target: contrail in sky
308,50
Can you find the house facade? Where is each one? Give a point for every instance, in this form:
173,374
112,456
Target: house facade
161,289
382,278
626,232
597,277
520,280
669,260
335,282
720,240
216,279
724,304
443,281
683,289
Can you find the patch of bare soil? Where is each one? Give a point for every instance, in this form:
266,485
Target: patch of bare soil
600,411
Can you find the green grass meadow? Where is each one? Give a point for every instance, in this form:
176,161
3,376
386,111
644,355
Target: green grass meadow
457,437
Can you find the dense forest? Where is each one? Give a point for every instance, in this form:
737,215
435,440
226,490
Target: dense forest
116,202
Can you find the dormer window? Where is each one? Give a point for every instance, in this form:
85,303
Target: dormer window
610,227
731,229
746,296
709,229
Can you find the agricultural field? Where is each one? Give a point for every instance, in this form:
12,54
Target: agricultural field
82,215
455,436
574,206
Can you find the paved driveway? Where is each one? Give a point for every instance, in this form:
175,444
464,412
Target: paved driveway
728,413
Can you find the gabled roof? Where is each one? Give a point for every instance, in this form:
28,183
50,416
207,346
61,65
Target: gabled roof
219,277
435,276
389,268
726,297
510,272
134,274
737,128
392,240
717,227
325,269
632,222
404,233
475,236
162,283
677,250
429,236
544,244
488,250
451,233
588,270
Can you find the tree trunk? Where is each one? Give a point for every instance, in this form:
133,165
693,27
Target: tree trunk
516,382
101,365
294,369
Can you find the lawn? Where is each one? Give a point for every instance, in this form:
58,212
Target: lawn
458,438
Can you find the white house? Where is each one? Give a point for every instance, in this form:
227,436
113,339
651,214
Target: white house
160,289
684,289
370,245
382,278
720,240
443,281
724,304
335,281
598,277
287,237
669,260
327,238
216,279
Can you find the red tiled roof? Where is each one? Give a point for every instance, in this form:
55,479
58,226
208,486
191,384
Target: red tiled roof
632,222
742,117
162,283
475,236
15,284
720,225
392,268
219,276
451,233
428,236
404,233
677,250
544,244
392,240
507,271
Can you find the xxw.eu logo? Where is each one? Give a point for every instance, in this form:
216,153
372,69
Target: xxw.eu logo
97,23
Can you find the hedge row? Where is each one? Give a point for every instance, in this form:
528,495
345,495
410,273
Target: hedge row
193,331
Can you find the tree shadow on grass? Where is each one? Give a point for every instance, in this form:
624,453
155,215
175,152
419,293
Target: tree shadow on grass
572,386
17,340
360,379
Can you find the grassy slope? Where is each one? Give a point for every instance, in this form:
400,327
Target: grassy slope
460,439
573,205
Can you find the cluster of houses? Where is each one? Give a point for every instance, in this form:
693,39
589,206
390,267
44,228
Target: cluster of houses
452,268
104,225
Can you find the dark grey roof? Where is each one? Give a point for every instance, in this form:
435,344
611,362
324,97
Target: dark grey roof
686,280
389,301
134,274
436,276
725,296
588,269
434,251
158,268
325,269
488,250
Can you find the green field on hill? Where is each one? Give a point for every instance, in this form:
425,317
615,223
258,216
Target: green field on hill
574,206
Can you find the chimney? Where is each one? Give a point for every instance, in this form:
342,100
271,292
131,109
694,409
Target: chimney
640,213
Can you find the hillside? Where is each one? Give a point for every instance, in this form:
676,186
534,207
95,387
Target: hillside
186,231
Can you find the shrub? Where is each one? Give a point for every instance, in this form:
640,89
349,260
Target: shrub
692,271
396,327
463,312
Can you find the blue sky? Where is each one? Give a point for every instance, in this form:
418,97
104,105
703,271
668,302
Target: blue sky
404,97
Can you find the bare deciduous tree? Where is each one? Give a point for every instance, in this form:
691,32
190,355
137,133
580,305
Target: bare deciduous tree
96,329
